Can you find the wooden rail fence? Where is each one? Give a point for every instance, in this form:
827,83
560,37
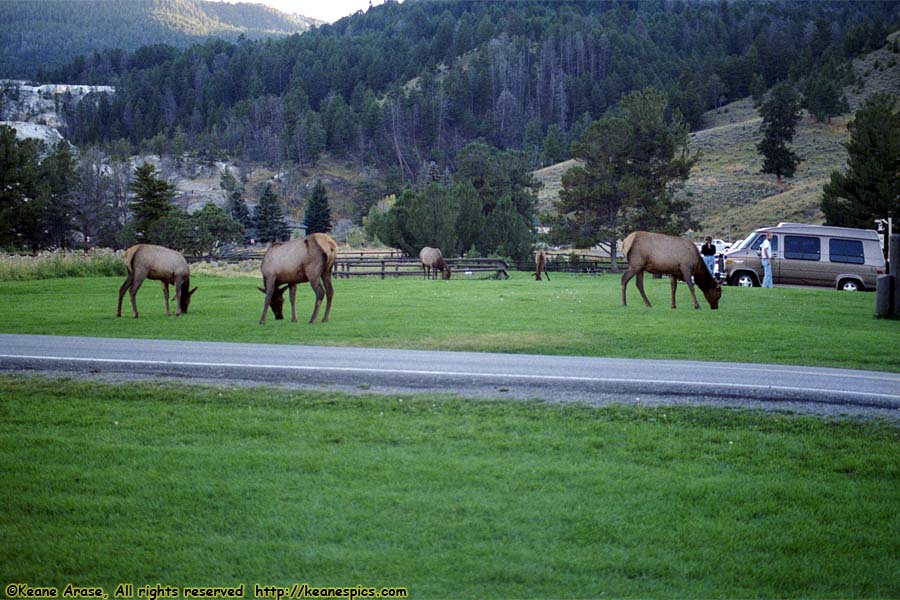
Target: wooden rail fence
348,266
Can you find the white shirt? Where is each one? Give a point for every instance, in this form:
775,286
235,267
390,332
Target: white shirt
766,249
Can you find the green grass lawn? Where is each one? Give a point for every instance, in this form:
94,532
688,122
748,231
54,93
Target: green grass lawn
568,315
147,484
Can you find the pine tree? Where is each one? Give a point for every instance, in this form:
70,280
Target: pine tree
18,181
56,188
632,159
758,89
870,189
318,213
235,206
270,223
822,95
470,220
780,113
152,200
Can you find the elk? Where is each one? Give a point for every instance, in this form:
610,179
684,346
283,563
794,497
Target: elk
146,261
668,255
540,262
286,264
433,259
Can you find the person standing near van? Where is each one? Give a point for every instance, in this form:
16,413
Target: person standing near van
765,252
708,251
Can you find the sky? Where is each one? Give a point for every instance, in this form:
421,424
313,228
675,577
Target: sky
324,10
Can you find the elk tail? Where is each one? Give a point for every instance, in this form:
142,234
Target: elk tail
626,244
129,257
329,247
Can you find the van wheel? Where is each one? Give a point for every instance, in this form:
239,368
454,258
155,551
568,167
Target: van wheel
849,285
743,279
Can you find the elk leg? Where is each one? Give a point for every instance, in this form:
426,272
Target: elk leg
674,285
270,289
690,283
320,293
124,288
178,285
293,289
640,286
547,274
329,293
626,277
135,286
165,287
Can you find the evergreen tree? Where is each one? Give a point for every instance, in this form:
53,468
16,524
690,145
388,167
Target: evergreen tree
470,219
632,160
235,206
823,97
57,181
214,226
506,233
554,146
152,200
318,213
269,217
870,188
175,229
19,209
432,219
758,89
780,114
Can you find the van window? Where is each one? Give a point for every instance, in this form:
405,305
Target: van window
802,247
759,241
846,251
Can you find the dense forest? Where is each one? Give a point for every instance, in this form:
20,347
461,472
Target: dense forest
453,104
51,33
406,84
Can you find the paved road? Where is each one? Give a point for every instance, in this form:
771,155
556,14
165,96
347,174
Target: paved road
553,378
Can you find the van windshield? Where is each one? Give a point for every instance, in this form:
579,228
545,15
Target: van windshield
745,242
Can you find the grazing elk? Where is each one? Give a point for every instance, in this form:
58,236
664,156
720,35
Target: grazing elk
146,261
286,264
668,255
540,262
432,259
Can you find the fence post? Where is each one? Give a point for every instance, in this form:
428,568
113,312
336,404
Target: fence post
382,268
884,292
895,271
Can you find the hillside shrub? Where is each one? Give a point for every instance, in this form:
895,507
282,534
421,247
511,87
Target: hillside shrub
99,262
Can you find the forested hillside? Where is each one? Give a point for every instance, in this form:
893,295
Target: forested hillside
425,120
406,84
51,33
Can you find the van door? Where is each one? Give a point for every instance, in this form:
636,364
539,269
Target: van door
801,261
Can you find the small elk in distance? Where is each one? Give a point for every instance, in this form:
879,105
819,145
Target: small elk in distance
540,263
432,262
668,255
147,261
285,264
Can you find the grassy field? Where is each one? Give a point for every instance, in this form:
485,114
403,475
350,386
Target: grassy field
568,315
184,486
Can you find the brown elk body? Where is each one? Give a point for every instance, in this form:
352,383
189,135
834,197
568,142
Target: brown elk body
432,262
668,255
309,259
146,261
540,263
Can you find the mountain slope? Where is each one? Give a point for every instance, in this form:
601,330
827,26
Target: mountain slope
51,33
729,193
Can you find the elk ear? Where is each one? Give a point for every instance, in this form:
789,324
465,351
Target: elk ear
280,290
191,293
261,289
